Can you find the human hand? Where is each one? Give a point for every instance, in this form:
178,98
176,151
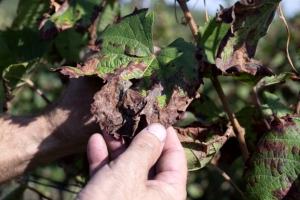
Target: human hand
127,176
70,117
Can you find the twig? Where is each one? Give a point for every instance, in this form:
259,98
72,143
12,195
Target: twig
236,126
189,18
205,10
297,108
39,193
259,108
53,181
175,11
53,186
226,178
281,15
38,91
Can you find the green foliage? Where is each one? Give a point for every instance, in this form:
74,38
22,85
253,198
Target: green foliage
76,14
210,37
17,74
281,78
29,12
277,107
71,45
199,154
273,170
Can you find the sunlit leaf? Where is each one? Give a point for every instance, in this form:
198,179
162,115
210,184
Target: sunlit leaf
75,13
210,37
29,12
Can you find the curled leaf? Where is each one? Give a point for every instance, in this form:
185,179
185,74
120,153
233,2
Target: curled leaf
140,87
201,141
250,21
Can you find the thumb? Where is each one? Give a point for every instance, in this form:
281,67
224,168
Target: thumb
143,151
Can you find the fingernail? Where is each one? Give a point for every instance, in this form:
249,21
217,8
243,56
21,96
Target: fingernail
158,130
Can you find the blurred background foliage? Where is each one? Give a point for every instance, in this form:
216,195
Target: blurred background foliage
58,182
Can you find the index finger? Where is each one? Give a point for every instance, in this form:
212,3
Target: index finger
171,167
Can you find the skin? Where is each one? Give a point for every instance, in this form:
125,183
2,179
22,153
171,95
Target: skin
27,142
127,176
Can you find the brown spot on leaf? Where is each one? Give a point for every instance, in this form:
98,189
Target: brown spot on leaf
199,130
89,66
273,148
295,150
127,50
115,44
280,193
66,71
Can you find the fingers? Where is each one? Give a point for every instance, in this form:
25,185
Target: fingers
116,147
172,164
97,153
143,152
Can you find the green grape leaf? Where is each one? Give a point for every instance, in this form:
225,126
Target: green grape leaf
267,81
250,21
141,87
250,119
273,170
277,107
205,108
71,44
210,37
110,13
29,13
72,14
201,141
250,79
17,74
23,45
18,46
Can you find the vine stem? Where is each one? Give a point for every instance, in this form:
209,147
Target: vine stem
239,131
259,108
37,90
189,18
281,16
227,178
53,186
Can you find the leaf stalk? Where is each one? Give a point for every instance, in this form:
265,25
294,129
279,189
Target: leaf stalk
227,178
239,131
